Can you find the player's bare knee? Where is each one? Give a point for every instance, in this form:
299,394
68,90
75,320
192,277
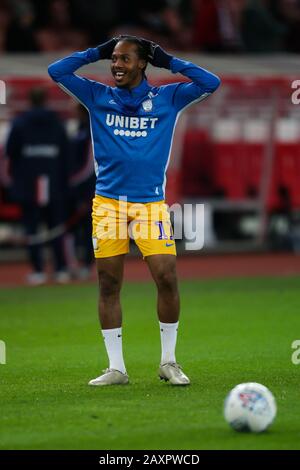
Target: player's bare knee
109,284
166,280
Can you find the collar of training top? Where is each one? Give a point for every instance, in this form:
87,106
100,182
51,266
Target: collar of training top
131,99
142,89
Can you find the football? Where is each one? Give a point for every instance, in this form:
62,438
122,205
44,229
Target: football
250,407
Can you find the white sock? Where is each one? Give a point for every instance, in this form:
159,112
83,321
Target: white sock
113,344
168,337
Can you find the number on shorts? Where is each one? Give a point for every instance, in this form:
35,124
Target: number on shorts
162,233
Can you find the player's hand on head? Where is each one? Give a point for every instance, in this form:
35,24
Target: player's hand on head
158,57
106,49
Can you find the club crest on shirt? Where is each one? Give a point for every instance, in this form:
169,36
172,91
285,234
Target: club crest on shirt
147,105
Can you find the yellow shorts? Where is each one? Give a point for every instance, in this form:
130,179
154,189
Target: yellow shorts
115,222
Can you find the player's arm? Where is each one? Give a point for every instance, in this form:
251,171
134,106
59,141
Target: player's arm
63,70
202,84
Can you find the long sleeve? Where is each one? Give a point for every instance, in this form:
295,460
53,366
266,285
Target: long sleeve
203,83
81,88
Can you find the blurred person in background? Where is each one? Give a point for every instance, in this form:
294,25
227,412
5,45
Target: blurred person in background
21,34
97,17
81,192
164,21
16,27
58,31
261,31
288,12
217,24
5,20
16,32
37,152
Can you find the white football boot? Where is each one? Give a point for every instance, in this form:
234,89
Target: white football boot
171,371
110,377
36,278
61,277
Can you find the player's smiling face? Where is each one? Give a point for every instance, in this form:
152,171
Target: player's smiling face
126,66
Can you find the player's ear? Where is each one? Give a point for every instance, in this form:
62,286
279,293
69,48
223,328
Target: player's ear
142,64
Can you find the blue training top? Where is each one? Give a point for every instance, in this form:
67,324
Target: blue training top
132,130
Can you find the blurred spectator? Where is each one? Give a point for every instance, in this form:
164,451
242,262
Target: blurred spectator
261,31
288,12
217,25
16,27
20,36
37,153
96,17
59,33
5,20
166,22
222,26
81,192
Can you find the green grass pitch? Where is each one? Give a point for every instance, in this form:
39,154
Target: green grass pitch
231,331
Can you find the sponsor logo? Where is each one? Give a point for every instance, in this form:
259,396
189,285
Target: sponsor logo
130,126
40,151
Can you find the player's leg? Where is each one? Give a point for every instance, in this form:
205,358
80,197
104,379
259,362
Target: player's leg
157,245
110,276
110,250
32,217
88,255
55,214
163,270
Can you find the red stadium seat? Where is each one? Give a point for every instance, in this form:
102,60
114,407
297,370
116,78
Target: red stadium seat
287,159
274,200
10,212
196,164
230,169
255,154
254,159
173,187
